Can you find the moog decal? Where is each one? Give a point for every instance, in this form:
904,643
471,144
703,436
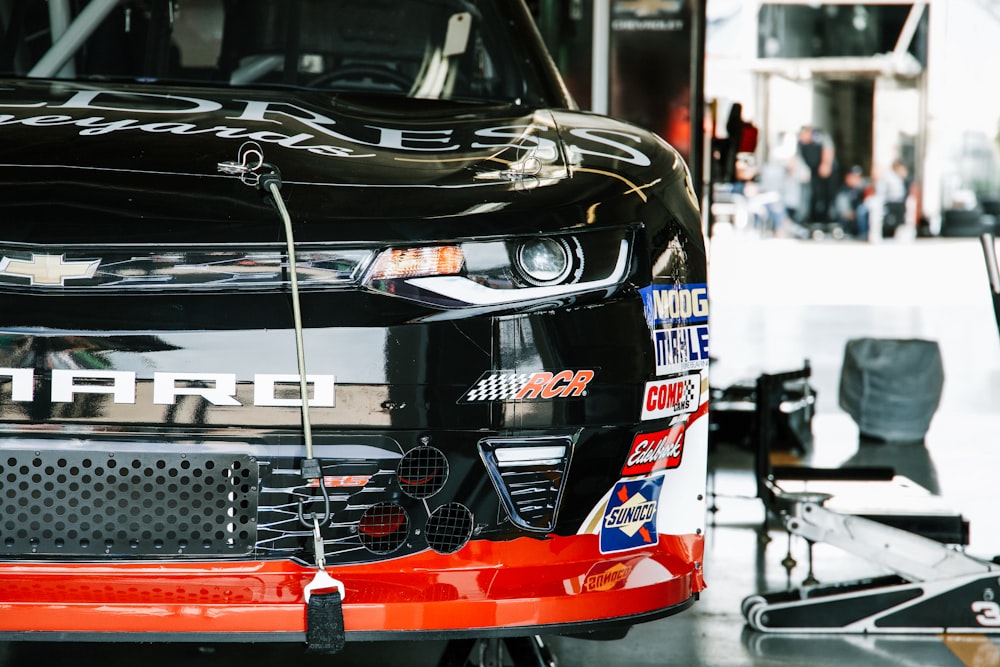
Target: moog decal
668,305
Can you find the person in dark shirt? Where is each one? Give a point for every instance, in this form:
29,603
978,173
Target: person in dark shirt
817,152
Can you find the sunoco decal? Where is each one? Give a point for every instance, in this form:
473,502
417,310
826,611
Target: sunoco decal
651,452
668,305
681,349
606,576
668,398
540,385
630,519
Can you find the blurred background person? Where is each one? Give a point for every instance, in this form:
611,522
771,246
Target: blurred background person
816,150
849,204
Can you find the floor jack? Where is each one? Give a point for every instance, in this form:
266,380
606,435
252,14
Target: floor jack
934,587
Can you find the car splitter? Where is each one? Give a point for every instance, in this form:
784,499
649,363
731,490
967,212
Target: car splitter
933,588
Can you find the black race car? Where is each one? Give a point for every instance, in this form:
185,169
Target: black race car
494,304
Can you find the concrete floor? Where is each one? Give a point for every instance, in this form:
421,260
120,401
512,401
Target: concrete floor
774,303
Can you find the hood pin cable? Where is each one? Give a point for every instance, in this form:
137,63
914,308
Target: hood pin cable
253,171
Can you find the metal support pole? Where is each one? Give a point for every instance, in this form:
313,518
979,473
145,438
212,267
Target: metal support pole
76,34
600,74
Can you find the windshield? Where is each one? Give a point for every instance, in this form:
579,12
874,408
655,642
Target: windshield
433,49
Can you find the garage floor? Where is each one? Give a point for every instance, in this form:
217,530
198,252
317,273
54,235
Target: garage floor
775,303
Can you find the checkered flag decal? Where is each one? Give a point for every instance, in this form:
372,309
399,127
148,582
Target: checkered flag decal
692,385
496,387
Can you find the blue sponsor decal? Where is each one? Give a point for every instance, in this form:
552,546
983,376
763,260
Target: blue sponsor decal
681,349
667,305
630,519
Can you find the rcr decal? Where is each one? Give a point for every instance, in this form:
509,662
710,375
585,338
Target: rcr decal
681,349
215,388
651,452
266,121
668,398
667,305
541,385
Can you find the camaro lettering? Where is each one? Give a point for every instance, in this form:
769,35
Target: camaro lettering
67,383
215,388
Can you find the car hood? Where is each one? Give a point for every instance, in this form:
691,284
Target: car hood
127,154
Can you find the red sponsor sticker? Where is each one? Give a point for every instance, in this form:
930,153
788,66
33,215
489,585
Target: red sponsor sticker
650,452
340,481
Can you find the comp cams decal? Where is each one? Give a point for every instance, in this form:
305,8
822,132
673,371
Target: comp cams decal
651,452
629,521
670,305
540,385
668,398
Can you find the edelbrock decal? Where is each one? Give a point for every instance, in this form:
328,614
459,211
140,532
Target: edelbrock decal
668,398
540,385
651,452
630,519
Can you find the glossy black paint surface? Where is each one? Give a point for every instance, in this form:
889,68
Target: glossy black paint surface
86,166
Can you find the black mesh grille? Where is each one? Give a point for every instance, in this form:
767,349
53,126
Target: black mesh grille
384,528
137,504
449,528
422,472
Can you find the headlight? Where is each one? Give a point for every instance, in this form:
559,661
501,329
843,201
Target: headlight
502,272
544,261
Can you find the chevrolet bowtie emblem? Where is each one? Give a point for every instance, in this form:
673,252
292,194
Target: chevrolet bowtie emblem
48,269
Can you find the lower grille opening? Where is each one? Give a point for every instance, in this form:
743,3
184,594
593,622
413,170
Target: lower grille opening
384,528
529,474
449,528
127,504
422,472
